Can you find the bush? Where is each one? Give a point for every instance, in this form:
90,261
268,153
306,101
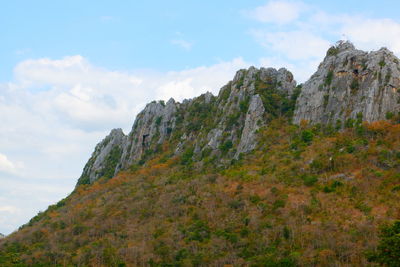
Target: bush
224,147
187,156
309,180
333,51
388,250
307,136
329,77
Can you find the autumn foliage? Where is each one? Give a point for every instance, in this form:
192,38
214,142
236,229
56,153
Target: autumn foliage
307,196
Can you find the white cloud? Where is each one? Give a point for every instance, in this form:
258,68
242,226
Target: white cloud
9,209
308,31
279,12
7,165
294,45
182,44
55,111
371,34
301,69
193,82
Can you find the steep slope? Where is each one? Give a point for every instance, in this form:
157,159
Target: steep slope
305,197
207,126
351,83
256,176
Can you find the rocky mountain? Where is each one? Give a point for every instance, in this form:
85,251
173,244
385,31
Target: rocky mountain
348,84
240,179
351,83
222,126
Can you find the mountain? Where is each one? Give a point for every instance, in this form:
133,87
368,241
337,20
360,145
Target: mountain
348,84
351,83
267,173
222,126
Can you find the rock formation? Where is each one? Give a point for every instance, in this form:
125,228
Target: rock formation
222,126
351,83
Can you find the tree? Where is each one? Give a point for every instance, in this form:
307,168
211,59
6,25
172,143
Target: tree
388,250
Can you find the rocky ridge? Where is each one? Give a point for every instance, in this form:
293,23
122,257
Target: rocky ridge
222,126
349,84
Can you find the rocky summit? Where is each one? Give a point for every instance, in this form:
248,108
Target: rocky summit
349,84
223,126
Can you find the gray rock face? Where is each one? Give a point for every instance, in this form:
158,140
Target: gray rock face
351,83
223,127
348,84
153,125
104,157
253,121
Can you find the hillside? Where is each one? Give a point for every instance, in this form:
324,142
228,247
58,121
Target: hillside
267,173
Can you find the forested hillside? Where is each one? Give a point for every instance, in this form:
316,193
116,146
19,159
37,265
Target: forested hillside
245,178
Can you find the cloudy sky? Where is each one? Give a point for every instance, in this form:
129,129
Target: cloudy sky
72,70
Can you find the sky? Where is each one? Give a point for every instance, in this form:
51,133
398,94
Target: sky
70,71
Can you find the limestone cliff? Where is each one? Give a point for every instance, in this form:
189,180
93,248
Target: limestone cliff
221,127
351,83
348,84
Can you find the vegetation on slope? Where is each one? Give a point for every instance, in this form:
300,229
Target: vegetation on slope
308,196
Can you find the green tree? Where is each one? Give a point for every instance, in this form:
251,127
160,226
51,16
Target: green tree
388,250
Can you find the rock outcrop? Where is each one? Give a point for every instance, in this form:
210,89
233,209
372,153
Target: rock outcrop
105,158
222,126
351,84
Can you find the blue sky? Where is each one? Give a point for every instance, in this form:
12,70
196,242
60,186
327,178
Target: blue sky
72,70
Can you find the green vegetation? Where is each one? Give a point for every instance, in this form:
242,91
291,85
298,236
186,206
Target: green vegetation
326,100
332,51
329,77
276,101
388,250
354,86
305,197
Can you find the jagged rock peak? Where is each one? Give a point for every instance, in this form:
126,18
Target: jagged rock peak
222,126
252,73
351,84
344,45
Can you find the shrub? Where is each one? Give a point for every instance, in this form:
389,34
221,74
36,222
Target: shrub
309,180
224,147
354,85
198,231
244,105
158,120
388,250
329,77
389,115
332,51
307,136
187,156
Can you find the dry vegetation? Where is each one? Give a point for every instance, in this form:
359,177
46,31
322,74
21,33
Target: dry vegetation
308,196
